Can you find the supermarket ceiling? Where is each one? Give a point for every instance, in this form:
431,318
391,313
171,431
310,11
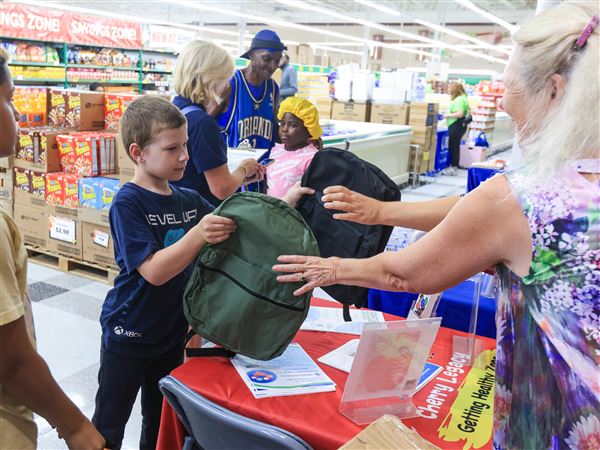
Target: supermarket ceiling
471,28
392,11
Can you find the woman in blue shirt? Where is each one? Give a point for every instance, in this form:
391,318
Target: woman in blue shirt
202,70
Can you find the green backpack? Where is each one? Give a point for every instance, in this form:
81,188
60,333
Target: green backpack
233,298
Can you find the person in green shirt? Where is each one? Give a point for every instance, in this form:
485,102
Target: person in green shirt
459,108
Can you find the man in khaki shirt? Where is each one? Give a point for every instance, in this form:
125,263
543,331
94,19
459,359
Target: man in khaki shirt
26,384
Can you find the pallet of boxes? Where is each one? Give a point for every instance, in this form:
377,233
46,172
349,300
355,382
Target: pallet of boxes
65,177
423,118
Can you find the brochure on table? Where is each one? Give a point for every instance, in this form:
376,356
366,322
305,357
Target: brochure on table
332,320
292,373
388,364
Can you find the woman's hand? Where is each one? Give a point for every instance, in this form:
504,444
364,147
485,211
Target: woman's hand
84,437
251,167
295,193
359,208
313,270
215,229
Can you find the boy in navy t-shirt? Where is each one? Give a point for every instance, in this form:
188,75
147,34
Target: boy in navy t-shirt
158,231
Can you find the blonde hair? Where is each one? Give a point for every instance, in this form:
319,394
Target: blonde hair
569,130
456,90
202,68
145,118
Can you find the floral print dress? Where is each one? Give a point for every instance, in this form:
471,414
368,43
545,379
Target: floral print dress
548,322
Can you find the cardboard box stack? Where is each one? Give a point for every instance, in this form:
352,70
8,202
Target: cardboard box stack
7,179
390,113
356,112
54,163
423,118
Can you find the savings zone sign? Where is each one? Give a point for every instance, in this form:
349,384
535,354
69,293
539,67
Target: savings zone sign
25,22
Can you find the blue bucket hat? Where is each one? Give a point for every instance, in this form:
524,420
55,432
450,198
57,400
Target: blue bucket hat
265,40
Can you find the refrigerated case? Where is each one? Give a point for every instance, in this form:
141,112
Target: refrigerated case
385,146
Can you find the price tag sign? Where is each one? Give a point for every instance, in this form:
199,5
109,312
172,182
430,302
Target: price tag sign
101,238
62,229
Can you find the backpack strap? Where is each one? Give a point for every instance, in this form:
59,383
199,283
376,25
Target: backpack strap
347,317
188,109
215,351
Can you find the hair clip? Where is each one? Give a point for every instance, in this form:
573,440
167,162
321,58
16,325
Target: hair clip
586,33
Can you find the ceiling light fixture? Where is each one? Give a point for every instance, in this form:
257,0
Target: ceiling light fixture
466,37
286,24
379,7
335,50
457,71
488,15
366,23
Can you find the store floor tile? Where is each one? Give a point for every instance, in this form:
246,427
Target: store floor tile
35,272
94,289
41,290
68,342
77,303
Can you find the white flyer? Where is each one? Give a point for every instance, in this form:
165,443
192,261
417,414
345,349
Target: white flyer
342,357
321,318
292,373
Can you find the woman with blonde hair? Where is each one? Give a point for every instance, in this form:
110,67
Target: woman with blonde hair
202,70
455,119
539,225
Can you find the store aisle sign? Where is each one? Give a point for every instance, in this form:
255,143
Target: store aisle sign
41,24
158,37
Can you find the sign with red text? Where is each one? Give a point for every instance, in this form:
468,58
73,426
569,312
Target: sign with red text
41,24
102,31
24,22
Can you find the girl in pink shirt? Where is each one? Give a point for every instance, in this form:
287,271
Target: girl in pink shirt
300,136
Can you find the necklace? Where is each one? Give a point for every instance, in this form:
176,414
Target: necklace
254,100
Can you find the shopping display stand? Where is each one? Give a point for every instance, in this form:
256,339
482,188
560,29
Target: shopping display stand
388,364
469,345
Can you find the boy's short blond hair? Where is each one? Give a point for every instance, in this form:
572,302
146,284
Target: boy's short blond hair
145,118
202,69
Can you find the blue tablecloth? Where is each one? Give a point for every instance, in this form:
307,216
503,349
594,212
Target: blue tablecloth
477,175
454,307
442,151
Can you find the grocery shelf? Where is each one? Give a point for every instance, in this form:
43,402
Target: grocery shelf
41,80
89,66
34,63
105,81
157,71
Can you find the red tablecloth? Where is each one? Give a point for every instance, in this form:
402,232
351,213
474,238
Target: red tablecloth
456,408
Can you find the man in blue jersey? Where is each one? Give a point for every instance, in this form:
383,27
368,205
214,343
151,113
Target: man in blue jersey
248,110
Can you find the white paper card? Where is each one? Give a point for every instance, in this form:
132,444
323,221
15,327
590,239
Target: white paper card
101,238
62,229
332,320
341,358
292,373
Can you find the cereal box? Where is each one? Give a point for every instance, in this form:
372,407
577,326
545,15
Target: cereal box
114,107
107,189
70,184
38,183
81,110
25,145
66,150
55,194
87,193
22,180
57,108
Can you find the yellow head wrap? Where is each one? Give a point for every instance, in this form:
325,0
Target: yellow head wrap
303,110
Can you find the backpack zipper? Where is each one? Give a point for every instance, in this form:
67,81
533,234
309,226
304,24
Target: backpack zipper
249,291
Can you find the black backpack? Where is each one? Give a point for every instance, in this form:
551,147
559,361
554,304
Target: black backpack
341,238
